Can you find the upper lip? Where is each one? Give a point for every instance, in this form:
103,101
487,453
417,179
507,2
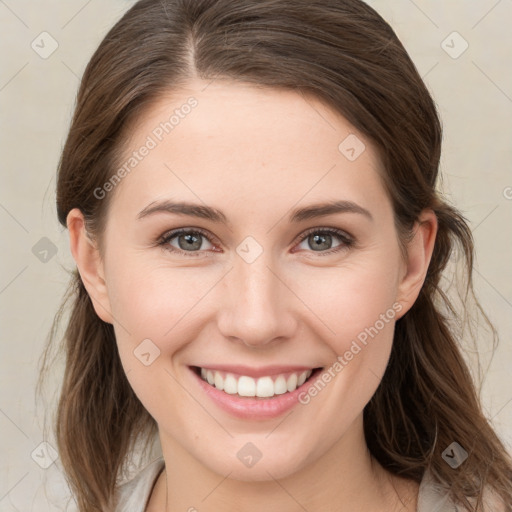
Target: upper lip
255,372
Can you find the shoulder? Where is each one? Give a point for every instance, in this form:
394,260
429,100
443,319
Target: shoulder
132,496
433,497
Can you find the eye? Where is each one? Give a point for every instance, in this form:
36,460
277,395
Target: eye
190,241
186,241
321,239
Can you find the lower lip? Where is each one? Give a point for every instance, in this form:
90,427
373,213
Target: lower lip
254,408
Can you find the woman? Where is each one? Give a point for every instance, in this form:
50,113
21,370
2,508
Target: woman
250,192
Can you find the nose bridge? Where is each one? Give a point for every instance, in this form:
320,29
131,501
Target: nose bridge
257,306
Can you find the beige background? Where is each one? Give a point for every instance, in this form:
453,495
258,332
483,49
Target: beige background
474,95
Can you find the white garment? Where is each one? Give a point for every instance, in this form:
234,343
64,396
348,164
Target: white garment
134,494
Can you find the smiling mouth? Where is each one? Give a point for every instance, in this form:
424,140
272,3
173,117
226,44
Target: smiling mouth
267,386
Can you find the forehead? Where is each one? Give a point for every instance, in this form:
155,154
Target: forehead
225,141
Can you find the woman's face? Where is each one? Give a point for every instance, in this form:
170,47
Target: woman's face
272,283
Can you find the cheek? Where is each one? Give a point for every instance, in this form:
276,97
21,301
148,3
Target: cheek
363,321
151,307
354,302
155,311
356,309
151,299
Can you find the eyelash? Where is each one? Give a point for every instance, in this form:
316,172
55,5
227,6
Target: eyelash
347,240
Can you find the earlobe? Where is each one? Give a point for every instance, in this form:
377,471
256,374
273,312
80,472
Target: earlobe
89,264
419,254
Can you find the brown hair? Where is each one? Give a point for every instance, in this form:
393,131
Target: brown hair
343,53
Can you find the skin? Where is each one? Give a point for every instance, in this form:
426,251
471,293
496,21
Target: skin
255,154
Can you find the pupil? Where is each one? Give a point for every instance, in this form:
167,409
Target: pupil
318,240
190,240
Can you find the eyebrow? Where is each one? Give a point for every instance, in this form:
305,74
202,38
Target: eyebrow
214,215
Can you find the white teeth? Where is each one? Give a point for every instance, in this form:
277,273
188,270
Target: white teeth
302,378
280,385
291,383
263,387
219,382
230,385
246,386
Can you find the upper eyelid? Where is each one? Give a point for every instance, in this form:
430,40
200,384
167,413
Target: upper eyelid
179,231
341,233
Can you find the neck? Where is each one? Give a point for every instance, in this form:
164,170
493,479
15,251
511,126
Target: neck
345,475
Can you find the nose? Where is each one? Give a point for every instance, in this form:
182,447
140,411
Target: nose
257,305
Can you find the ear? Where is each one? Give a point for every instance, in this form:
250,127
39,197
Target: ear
89,263
419,253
